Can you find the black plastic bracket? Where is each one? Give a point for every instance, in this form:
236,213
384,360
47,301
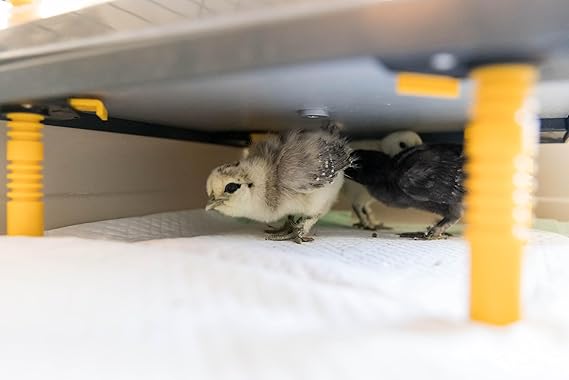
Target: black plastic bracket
130,127
58,113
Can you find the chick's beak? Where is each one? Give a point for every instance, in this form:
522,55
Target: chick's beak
212,203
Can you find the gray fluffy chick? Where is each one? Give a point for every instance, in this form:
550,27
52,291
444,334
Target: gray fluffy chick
299,173
358,196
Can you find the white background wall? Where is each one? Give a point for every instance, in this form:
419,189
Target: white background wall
95,175
553,179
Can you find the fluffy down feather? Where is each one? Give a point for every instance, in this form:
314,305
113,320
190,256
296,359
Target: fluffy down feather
303,161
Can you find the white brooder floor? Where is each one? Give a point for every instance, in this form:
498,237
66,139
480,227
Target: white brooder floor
222,303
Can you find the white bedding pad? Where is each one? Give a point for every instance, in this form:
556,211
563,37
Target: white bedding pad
230,305
165,225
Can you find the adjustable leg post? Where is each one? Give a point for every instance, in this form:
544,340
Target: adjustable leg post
24,153
501,145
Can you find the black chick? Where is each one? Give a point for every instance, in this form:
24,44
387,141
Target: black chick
428,177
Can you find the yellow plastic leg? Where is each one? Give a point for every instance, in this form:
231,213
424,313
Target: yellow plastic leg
501,145
24,153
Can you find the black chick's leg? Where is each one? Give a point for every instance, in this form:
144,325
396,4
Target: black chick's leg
374,226
438,231
435,232
364,214
362,217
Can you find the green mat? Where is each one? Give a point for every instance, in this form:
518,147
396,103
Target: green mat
344,218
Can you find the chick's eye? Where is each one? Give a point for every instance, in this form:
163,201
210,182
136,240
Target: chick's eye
232,187
402,145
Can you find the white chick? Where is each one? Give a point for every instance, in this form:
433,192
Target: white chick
356,194
299,173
